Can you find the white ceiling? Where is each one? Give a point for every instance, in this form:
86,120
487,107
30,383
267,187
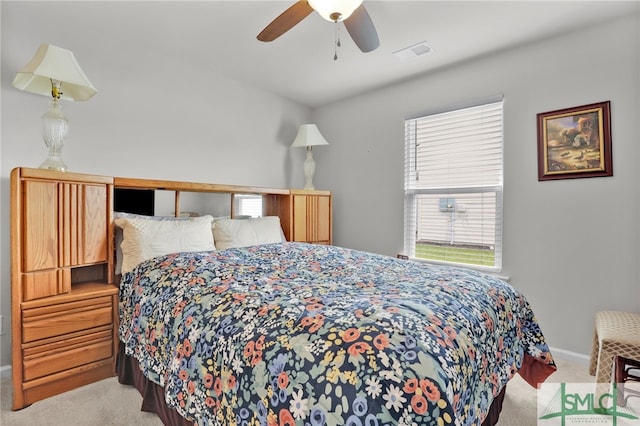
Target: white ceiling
221,36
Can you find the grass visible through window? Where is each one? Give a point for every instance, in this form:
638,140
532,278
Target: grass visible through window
456,254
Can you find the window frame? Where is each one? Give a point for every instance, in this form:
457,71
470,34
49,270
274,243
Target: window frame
411,195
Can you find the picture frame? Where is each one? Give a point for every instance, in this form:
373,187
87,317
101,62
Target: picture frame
575,142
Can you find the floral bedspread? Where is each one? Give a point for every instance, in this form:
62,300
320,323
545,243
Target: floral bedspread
300,334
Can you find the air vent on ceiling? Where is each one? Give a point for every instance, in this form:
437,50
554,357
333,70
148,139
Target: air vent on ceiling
413,51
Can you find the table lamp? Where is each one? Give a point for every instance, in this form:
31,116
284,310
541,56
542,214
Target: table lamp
309,136
54,71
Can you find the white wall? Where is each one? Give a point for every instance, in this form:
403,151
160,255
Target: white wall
152,118
570,246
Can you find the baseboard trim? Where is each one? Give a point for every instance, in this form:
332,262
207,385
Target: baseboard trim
581,359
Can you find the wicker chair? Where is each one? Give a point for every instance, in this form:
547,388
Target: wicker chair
616,334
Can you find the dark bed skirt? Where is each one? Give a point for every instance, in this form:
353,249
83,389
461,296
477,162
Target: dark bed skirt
153,401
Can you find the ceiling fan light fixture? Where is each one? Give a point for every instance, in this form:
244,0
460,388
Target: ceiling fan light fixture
332,9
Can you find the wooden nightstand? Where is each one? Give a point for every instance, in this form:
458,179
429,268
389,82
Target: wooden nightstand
312,216
305,215
64,302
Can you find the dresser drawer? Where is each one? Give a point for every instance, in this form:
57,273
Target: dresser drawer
49,358
57,320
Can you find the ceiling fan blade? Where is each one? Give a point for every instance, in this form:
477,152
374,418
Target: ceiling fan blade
287,20
361,29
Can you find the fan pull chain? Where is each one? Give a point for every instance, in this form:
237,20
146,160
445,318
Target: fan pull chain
335,16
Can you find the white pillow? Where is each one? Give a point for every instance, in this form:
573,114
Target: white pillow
147,238
229,233
118,232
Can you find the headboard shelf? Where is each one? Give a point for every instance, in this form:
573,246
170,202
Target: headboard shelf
271,196
167,185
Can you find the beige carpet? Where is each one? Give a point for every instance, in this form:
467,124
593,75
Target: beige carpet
109,403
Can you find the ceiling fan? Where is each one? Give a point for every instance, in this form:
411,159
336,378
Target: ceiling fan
352,13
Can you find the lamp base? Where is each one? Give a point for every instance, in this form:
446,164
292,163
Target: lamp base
55,127
54,162
309,169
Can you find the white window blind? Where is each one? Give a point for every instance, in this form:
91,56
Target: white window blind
453,186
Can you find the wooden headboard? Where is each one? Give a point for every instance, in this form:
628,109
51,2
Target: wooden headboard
275,201
64,292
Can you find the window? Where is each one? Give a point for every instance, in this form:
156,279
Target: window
248,205
453,187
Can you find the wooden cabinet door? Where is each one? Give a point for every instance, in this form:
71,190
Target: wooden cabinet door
83,226
323,219
40,231
94,225
299,218
312,218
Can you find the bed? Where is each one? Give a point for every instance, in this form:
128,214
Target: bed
280,333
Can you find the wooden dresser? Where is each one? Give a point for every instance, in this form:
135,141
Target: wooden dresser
64,303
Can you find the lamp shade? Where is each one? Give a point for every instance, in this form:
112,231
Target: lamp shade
57,64
308,135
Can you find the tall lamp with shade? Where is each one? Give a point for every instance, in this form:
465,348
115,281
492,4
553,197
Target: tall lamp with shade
54,71
309,136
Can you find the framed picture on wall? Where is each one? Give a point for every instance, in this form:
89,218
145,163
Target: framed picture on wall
575,142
